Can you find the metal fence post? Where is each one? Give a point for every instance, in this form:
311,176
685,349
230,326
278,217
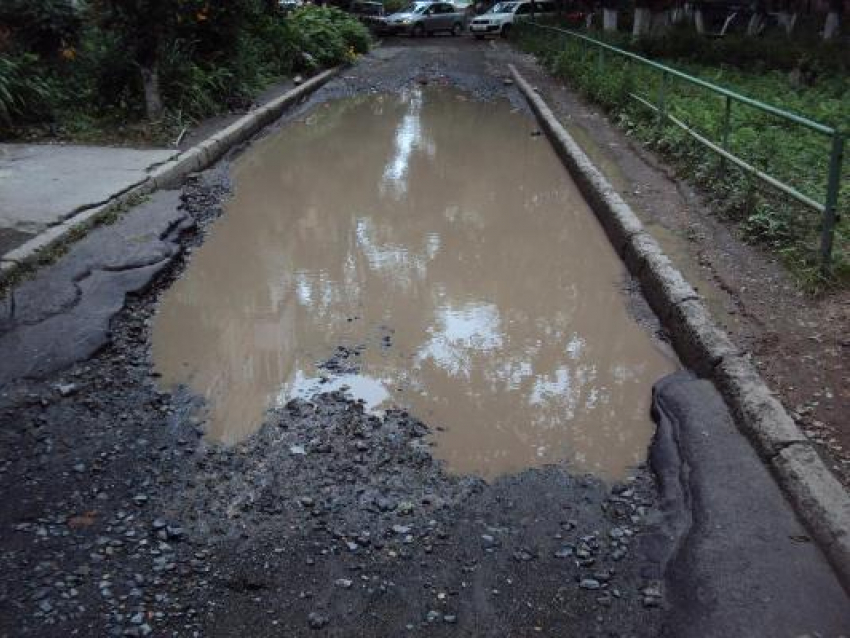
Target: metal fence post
830,211
662,96
727,121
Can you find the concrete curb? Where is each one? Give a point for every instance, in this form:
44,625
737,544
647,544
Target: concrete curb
167,175
819,499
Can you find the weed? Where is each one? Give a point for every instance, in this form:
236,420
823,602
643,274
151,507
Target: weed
791,153
92,91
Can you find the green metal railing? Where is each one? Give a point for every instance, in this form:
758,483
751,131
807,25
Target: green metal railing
827,208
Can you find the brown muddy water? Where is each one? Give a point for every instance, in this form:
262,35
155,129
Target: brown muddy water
444,243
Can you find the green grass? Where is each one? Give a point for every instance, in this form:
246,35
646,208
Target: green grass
791,153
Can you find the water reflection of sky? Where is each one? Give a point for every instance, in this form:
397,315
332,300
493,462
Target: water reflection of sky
459,334
373,392
409,137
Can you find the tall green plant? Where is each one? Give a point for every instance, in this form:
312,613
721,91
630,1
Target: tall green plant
24,95
328,35
793,154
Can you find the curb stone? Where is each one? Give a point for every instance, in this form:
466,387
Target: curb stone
803,475
768,426
818,498
169,174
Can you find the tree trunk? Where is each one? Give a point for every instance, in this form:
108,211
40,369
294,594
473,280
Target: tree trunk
788,15
832,26
699,21
756,24
789,21
678,13
642,22
609,19
153,98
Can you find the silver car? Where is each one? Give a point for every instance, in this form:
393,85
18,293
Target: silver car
427,18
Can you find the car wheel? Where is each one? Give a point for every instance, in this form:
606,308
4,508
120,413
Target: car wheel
506,31
418,31
457,29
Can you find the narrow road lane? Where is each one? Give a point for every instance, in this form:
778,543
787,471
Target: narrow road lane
122,513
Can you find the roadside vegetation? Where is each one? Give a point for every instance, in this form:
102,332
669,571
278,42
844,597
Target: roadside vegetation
391,6
141,70
808,77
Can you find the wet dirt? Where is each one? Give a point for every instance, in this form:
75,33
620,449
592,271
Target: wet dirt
440,241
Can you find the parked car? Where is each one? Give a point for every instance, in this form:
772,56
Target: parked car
287,6
502,15
427,18
369,13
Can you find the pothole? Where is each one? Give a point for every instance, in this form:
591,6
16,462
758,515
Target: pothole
424,251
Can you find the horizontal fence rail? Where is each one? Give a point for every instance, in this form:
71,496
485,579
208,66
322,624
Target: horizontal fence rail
827,208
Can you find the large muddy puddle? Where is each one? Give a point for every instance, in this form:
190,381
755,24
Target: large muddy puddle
422,251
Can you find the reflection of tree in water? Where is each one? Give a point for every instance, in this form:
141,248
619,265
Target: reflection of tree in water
444,220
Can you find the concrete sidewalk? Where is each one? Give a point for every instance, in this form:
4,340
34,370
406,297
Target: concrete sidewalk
43,185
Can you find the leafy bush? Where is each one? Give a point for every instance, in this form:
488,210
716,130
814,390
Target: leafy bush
103,74
768,53
210,57
190,88
24,95
328,35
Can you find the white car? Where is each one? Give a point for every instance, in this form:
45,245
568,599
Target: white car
502,15
426,18
289,5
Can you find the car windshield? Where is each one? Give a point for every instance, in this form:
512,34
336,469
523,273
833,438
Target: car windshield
416,7
503,7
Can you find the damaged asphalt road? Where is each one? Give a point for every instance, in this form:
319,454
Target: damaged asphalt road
117,518
63,314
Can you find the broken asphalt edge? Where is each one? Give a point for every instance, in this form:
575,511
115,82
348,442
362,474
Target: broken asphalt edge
820,501
169,174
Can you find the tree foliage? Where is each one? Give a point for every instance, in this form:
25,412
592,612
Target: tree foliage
106,58
43,27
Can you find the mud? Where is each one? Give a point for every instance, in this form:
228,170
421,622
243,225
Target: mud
424,251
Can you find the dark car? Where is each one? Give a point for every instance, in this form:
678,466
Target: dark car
369,12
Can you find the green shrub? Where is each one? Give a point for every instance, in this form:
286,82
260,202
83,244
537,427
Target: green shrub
189,88
328,35
24,95
791,153
767,53
210,57
103,74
